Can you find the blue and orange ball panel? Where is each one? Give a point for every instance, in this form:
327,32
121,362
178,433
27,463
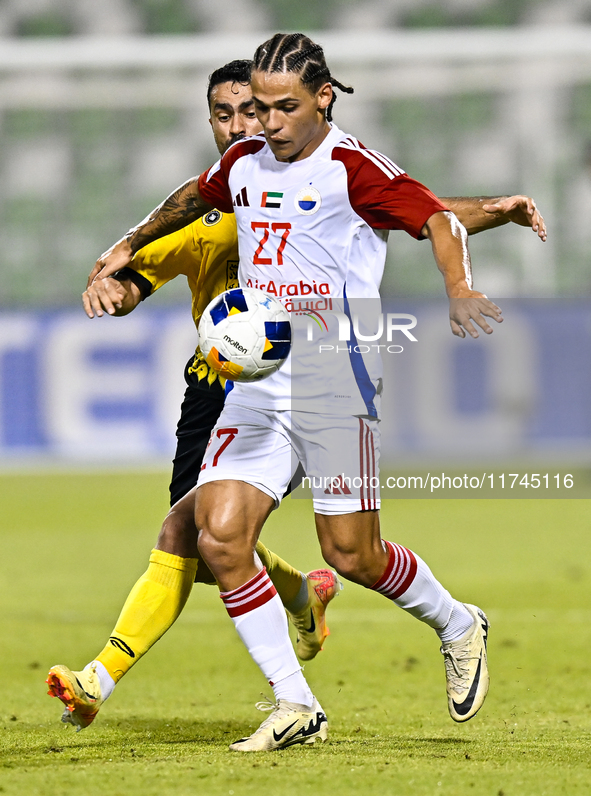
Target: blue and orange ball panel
231,303
278,342
221,365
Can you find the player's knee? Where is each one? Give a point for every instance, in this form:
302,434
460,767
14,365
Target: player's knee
178,539
220,554
343,560
178,534
353,563
227,532
215,541
210,548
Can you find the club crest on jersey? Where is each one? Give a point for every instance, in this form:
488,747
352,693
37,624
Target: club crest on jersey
308,201
272,199
211,218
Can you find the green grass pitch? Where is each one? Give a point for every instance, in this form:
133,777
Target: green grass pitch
72,546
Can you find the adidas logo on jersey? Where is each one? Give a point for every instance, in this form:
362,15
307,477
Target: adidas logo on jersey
241,199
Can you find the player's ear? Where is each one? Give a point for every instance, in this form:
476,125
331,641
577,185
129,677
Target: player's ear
324,95
209,120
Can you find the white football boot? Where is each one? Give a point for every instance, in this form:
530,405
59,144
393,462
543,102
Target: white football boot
466,668
289,724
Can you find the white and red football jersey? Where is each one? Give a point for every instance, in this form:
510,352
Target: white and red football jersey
310,233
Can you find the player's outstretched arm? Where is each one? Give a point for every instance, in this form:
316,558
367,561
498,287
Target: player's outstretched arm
450,248
113,296
478,213
181,208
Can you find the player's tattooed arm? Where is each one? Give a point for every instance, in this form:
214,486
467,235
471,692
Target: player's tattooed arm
478,213
181,208
467,307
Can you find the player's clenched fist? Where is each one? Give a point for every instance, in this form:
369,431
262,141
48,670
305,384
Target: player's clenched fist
465,312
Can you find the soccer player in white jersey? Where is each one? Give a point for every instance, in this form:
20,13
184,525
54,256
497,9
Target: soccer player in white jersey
311,205
206,252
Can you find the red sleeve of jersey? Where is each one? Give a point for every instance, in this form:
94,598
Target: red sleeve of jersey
213,187
213,183
382,194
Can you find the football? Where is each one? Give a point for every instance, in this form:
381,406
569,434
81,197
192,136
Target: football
245,334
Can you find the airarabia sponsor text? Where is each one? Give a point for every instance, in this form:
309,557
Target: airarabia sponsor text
300,288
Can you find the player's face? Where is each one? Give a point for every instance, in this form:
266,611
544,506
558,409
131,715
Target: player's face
292,116
232,114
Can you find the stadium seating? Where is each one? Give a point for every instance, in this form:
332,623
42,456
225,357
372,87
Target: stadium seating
86,152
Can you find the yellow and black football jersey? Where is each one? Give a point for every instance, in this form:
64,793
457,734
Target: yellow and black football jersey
206,252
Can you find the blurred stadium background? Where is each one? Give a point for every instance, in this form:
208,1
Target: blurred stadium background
103,112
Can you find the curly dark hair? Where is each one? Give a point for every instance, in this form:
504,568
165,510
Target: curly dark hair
234,72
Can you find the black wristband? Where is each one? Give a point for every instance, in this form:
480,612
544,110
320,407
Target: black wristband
144,285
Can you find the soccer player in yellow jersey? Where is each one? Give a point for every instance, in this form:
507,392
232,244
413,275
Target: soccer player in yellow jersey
206,253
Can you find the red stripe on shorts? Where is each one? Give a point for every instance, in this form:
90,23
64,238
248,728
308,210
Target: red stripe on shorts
361,489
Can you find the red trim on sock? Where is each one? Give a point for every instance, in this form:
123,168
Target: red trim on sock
389,566
252,594
399,573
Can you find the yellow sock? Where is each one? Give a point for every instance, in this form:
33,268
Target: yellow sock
289,582
152,606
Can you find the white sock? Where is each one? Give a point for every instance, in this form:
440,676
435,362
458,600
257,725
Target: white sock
294,688
460,621
259,617
409,582
106,682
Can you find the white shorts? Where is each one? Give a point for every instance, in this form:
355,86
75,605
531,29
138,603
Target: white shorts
339,455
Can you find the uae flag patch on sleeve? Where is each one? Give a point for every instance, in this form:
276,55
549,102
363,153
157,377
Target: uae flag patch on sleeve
272,199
